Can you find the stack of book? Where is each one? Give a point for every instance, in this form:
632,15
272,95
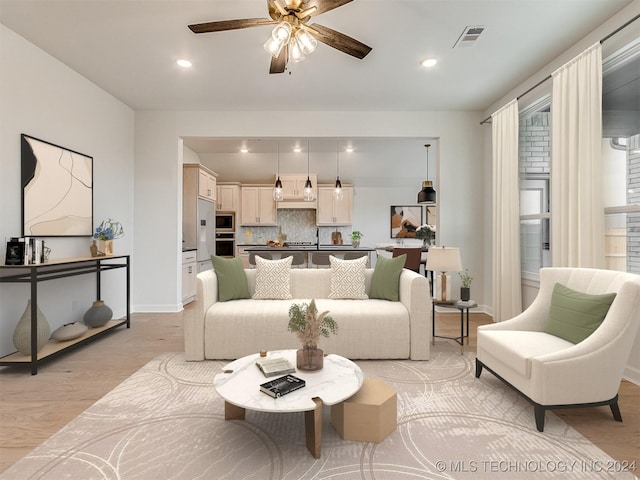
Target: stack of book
25,251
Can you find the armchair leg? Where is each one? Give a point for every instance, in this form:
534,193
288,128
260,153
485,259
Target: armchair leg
538,411
615,409
478,368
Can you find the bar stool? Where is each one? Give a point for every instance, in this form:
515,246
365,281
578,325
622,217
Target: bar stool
252,257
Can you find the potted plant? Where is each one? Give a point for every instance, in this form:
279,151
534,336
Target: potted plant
308,325
356,235
105,233
427,233
465,289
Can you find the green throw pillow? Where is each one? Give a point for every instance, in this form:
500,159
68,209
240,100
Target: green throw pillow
385,281
232,279
575,315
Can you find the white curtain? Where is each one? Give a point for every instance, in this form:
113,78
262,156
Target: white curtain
507,294
577,212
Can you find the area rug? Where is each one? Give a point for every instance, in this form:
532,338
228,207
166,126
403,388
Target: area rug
166,422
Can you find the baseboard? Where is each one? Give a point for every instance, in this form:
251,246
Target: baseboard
632,375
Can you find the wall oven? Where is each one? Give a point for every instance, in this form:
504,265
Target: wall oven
225,222
225,244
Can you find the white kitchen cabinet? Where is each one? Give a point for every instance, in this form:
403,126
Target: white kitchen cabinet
293,185
242,253
334,212
258,207
206,184
228,197
189,272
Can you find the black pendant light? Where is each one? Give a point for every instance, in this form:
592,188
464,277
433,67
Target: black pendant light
277,188
427,196
337,191
308,195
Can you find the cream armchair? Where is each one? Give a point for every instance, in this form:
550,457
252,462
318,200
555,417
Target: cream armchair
551,372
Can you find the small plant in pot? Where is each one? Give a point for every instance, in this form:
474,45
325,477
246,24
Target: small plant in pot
465,289
308,325
355,238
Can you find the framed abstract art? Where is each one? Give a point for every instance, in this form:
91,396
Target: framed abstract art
57,190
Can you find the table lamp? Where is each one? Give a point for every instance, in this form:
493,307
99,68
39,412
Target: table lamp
443,259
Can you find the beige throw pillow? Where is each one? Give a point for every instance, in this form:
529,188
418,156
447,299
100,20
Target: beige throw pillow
347,278
273,279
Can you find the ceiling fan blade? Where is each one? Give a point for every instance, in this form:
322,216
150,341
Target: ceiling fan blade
324,5
230,25
279,64
339,41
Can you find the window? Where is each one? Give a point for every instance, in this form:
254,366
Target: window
621,155
535,165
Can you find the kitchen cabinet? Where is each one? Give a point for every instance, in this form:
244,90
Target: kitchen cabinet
332,212
189,272
228,197
293,191
258,207
206,184
242,253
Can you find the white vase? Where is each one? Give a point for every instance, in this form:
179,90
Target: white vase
22,333
105,247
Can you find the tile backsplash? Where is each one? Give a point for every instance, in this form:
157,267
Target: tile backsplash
299,225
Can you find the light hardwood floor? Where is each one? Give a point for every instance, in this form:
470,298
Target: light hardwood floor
32,408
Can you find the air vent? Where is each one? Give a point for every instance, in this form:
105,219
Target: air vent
469,36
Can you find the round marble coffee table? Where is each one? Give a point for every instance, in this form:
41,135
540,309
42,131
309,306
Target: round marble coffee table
239,386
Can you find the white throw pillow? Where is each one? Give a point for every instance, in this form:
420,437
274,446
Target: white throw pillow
273,279
347,278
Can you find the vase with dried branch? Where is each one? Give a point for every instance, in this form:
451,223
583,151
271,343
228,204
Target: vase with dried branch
308,326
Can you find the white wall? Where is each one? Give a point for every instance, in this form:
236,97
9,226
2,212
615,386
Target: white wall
158,169
42,97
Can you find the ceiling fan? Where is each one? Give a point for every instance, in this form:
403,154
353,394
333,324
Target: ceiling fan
292,38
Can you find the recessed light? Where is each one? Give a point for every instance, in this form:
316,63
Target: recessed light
244,150
429,62
297,149
349,150
184,63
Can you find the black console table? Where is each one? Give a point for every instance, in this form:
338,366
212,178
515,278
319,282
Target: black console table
62,268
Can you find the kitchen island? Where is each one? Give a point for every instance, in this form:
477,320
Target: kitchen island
308,252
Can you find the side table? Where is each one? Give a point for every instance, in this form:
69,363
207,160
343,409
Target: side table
463,306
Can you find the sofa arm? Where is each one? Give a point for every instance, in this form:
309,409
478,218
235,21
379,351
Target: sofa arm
207,283
414,295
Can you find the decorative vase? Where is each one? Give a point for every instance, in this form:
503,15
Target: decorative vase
98,315
465,293
355,243
105,247
309,358
22,333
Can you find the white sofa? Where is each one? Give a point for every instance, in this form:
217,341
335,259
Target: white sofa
368,329
552,372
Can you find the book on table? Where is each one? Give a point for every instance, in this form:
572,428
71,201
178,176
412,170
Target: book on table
282,385
275,366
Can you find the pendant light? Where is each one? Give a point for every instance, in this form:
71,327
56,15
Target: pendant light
308,187
337,191
427,196
278,196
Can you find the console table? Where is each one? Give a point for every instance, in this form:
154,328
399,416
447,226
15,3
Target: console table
62,268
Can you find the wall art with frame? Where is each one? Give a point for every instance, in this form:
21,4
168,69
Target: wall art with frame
405,220
57,190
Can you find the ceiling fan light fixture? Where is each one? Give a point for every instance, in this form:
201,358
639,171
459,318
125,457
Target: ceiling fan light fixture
273,47
282,32
296,54
306,41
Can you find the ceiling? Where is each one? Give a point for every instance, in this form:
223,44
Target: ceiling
129,48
